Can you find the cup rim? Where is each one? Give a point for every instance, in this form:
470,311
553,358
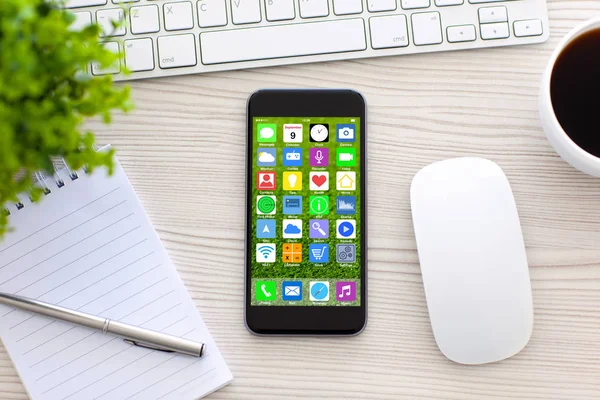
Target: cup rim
583,27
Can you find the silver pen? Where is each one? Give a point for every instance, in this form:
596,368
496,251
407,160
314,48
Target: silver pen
131,334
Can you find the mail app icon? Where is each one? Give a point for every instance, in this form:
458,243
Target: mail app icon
292,291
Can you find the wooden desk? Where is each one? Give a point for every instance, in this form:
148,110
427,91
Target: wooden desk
184,152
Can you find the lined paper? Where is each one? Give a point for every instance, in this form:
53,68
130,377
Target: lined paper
89,246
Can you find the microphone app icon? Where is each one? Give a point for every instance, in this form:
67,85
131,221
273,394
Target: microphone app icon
319,157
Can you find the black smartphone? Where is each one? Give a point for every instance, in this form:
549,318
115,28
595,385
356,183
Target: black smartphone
306,213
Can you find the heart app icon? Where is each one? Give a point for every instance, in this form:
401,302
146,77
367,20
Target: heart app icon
319,180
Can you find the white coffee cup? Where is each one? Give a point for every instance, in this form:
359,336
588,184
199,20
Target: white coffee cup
558,138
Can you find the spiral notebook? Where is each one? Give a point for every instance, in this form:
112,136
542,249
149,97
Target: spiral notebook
89,246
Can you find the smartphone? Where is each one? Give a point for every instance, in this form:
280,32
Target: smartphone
306,203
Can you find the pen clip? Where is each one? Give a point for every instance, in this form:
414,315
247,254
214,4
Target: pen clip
147,346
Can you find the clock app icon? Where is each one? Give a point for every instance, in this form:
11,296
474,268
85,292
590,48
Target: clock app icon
319,291
319,133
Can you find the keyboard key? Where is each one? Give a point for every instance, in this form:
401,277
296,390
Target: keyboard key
345,7
461,33
494,31
139,55
292,40
212,13
530,27
113,69
280,10
381,5
412,4
484,1
178,16
106,18
177,51
245,11
82,19
444,3
427,28
389,31
313,8
124,1
144,19
492,14
84,3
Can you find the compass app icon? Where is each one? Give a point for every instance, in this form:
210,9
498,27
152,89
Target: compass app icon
319,291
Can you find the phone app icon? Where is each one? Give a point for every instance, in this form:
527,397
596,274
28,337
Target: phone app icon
346,228
292,180
318,253
319,180
266,290
292,228
346,204
291,253
265,228
319,205
292,204
267,157
265,252
319,133
346,132
345,180
319,157
267,133
292,157
265,180
345,157
292,290
345,253
319,228
345,291
319,291
265,205
292,133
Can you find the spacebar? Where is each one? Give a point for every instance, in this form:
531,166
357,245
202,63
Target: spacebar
282,41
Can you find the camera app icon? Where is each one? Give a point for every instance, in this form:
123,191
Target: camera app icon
346,132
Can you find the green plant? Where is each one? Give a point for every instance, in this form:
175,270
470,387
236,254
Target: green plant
46,93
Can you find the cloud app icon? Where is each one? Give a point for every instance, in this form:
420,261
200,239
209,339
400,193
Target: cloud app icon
292,228
267,157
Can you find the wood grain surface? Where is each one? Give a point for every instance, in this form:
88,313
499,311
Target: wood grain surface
183,149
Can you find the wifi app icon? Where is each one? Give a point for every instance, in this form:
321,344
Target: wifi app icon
265,253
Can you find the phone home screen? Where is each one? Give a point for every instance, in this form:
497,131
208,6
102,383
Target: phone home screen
306,228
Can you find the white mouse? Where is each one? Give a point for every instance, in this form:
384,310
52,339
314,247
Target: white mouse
473,260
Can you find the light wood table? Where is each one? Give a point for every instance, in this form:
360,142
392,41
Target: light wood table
183,149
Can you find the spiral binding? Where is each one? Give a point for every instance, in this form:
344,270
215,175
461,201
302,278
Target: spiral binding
42,179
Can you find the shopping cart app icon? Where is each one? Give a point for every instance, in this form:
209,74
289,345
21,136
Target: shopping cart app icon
318,253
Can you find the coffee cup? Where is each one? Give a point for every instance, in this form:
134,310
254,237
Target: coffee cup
565,119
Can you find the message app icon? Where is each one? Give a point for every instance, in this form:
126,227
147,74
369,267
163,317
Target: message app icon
267,157
265,252
266,290
292,157
345,157
267,133
292,205
346,132
345,291
292,290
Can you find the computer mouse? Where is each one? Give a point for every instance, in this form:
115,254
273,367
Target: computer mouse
473,260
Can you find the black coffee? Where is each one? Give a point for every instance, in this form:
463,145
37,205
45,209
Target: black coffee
575,91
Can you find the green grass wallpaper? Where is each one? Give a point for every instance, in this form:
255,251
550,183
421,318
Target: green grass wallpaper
343,160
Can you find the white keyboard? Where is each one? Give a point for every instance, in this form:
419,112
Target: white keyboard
164,38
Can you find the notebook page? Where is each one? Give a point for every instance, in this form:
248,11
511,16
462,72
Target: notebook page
89,246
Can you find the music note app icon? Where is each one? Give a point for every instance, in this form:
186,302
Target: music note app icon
345,291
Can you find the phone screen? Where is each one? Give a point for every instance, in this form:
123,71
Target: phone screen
305,211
